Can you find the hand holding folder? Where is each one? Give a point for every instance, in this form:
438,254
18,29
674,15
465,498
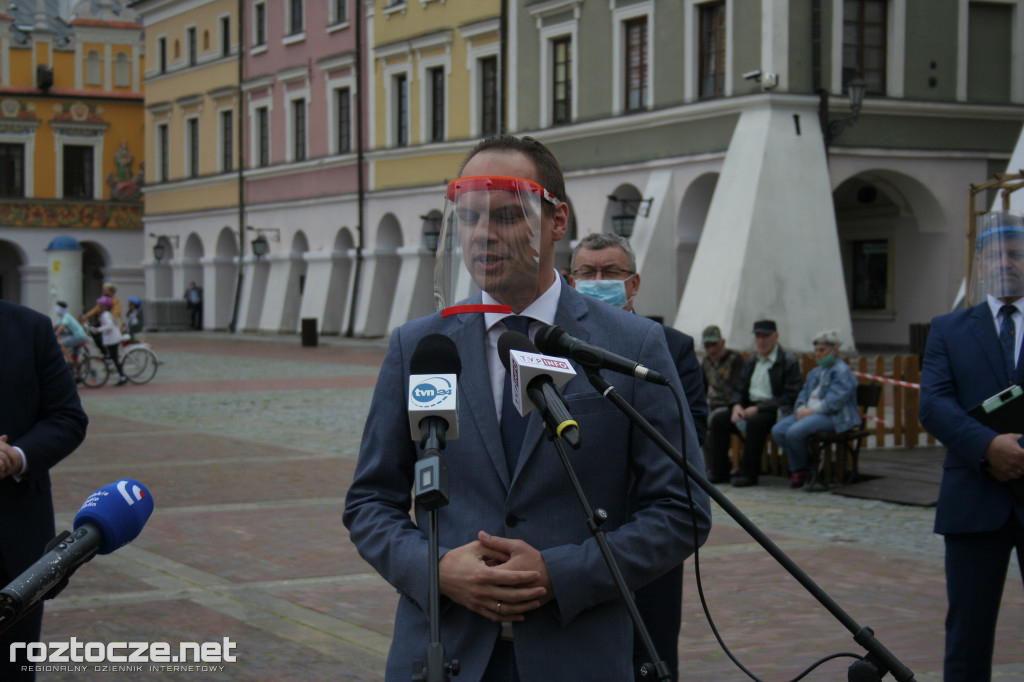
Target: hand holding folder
1004,413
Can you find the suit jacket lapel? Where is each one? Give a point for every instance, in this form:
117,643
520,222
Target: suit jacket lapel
571,310
984,331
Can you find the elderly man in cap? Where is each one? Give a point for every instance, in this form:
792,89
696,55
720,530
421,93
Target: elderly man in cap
972,355
768,385
721,367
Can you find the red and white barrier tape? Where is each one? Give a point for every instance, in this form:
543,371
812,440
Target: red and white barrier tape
887,380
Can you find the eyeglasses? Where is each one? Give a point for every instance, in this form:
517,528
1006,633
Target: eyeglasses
607,273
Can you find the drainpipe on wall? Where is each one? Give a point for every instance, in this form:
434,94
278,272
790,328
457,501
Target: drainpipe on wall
361,190
232,326
503,49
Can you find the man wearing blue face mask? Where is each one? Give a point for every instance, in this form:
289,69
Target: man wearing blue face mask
604,267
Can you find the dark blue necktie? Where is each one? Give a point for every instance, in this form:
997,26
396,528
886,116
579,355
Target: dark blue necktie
1007,337
513,425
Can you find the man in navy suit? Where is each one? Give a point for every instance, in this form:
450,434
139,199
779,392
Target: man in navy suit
41,422
970,356
526,594
604,267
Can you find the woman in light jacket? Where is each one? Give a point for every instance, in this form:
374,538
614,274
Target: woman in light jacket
827,402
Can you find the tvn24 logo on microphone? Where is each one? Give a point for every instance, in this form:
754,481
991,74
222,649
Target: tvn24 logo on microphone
433,395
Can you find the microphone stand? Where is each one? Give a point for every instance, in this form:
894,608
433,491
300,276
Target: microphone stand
432,492
595,522
879,660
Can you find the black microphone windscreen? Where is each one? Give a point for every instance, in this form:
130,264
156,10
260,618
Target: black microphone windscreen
435,354
547,339
510,341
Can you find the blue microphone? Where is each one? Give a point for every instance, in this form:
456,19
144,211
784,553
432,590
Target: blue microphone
119,511
110,518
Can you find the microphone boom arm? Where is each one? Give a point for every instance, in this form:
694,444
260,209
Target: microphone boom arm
879,659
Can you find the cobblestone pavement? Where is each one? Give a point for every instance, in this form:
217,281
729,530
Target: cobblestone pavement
248,444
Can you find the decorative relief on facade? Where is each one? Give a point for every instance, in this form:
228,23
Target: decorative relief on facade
124,186
78,112
70,214
16,108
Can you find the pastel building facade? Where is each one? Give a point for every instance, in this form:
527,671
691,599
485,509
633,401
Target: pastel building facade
719,134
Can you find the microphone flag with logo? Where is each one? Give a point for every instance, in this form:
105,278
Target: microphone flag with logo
434,369
534,381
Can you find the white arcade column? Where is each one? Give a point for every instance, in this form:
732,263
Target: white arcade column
769,248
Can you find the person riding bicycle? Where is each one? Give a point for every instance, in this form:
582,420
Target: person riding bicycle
70,333
111,336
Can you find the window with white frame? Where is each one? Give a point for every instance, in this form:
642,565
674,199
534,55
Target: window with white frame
12,170
561,80
122,70
635,67
227,140
225,36
163,150
192,45
711,49
93,68
259,24
192,146
294,19
77,173
865,32
489,98
400,109
261,136
559,69
432,73
297,121
161,50
632,57
339,11
342,120
436,103
79,161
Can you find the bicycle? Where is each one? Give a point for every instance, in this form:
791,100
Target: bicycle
89,369
139,362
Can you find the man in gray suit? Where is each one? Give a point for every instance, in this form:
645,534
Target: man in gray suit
526,594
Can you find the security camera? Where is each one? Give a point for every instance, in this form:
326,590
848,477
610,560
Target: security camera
754,75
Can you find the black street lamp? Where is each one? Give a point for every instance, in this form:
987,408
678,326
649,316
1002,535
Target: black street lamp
622,222
260,245
856,89
160,248
431,231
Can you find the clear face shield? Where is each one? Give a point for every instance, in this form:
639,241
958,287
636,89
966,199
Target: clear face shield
490,240
998,262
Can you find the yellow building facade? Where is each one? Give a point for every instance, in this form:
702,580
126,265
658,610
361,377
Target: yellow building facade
192,141
437,75
71,150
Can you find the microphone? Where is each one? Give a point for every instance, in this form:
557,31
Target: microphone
109,518
554,340
539,375
434,371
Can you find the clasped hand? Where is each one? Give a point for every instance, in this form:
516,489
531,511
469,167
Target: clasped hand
1005,457
498,578
10,460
